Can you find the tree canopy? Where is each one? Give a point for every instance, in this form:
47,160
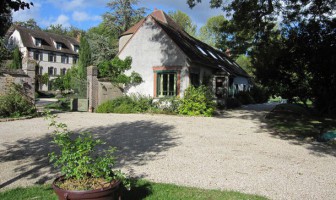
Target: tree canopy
211,32
184,21
84,57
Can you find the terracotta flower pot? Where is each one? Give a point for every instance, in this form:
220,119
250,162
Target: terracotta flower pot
108,193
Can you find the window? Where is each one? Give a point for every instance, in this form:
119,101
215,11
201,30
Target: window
201,50
213,55
76,48
40,70
52,57
74,60
65,59
63,71
50,71
166,84
59,46
194,79
38,55
11,41
50,85
55,71
38,42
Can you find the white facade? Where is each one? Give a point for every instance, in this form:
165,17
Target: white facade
57,65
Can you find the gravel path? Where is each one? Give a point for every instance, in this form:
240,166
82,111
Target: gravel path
235,151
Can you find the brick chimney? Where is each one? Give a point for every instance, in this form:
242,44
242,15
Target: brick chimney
228,52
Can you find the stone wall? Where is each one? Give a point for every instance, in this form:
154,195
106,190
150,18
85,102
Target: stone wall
107,91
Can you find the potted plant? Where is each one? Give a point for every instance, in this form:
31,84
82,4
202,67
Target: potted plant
86,170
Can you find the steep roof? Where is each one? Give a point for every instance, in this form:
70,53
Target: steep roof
47,38
198,52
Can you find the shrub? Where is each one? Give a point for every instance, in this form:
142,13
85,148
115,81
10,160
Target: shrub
259,94
244,98
167,105
127,104
197,101
16,103
233,103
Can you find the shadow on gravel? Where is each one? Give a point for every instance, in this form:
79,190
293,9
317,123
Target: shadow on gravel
137,143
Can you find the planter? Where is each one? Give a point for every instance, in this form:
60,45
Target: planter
108,193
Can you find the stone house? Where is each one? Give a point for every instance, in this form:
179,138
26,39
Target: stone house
53,53
169,60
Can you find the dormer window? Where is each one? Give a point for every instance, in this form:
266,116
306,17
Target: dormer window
76,48
58,46
38,42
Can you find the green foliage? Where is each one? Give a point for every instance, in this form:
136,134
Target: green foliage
184,21
79,158
84,57
61,104
127,104
259,94
30,23
115,71
211,32
197,101
58,83
124,14
5,53
16,103
245,62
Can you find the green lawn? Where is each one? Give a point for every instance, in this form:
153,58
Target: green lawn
141,190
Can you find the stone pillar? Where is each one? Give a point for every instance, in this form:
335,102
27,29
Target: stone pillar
31,72
92,90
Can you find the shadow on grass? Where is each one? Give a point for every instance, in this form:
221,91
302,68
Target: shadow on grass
137,142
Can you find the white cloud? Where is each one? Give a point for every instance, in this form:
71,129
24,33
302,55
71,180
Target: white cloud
62,19
24,15
83,16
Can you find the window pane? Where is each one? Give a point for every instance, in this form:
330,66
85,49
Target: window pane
165,85
171,84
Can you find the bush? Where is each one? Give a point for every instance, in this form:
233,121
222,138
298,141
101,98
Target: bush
16,103
127,104
197,101
167,105
233,103
259,94
244,98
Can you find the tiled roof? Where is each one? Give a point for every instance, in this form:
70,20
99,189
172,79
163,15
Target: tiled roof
198,52
48,40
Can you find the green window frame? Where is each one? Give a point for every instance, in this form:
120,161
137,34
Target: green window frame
166,83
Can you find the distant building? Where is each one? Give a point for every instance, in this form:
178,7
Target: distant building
53,53
169,60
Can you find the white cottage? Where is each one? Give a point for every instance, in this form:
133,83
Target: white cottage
169,60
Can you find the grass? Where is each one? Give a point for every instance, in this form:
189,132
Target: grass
141,190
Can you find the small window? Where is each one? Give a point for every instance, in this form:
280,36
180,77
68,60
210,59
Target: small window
59,46
11,41
49,85
40,70
201,50
74,60
63,71
55,71
50,71
38,42
38,55
52,57
166,84
65,59
194,79
213,55
76,48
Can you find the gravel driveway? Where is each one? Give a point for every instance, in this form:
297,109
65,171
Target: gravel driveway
234,151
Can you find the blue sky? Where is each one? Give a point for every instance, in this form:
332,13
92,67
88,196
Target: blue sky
85,14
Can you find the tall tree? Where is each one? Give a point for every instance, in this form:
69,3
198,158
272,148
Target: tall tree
57,28
123,14
293,54
17,59
184,21
84,57
30,23
103,43
211,32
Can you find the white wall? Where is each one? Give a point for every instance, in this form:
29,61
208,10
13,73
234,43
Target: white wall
151,47
241,81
